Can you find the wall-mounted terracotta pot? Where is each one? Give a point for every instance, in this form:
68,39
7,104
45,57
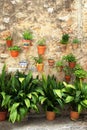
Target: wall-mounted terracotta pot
40,67
14,53
41,49
9,43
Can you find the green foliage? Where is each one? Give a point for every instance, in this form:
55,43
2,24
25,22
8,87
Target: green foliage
38,59
17,48
23,97
67,70
76,95
76,41
4,88
59,63
50,93
80,73
41,42
70,58
65,39
9,38
27,35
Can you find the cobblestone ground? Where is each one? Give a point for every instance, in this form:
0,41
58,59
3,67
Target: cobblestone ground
40,123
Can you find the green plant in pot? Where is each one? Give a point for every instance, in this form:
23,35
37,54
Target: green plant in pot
23,96
67,70
4,93
41,46
71,59
14,50
59,65
76,96
27,38
50,96
39,63
80,73
75,43
64,39
9,41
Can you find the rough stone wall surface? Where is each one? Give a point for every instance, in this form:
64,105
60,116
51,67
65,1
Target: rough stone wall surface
49,19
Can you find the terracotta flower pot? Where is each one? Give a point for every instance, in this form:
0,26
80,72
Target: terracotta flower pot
51,62
39,67
72,64
41,50
14,53
50,115
74,115
3,115
9,43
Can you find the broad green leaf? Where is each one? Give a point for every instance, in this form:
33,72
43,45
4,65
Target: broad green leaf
21,79
13,107
69,85
69,99
79,108
27,102
58,92
13,116
29,95
42,99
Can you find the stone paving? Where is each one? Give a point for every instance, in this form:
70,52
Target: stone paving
40,123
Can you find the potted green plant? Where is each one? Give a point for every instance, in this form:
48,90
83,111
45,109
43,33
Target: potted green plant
27,38
67,71
59,65
23,96
64,39
75,43
41,46
39,63
4,93
9,41
71,60
80,73
76,96
14,50
50,96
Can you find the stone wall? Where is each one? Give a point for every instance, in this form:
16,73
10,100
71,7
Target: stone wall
49,19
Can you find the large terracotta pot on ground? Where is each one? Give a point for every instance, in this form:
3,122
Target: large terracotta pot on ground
14,53
50,115
41,49
74,115
3,115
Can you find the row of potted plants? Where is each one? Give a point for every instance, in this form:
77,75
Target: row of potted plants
28,38
20,93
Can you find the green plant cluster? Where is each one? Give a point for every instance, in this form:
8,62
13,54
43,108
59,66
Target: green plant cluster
41,42
9,38
76,41
70,58
15,47
27,35
20,93
65,39
38,59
